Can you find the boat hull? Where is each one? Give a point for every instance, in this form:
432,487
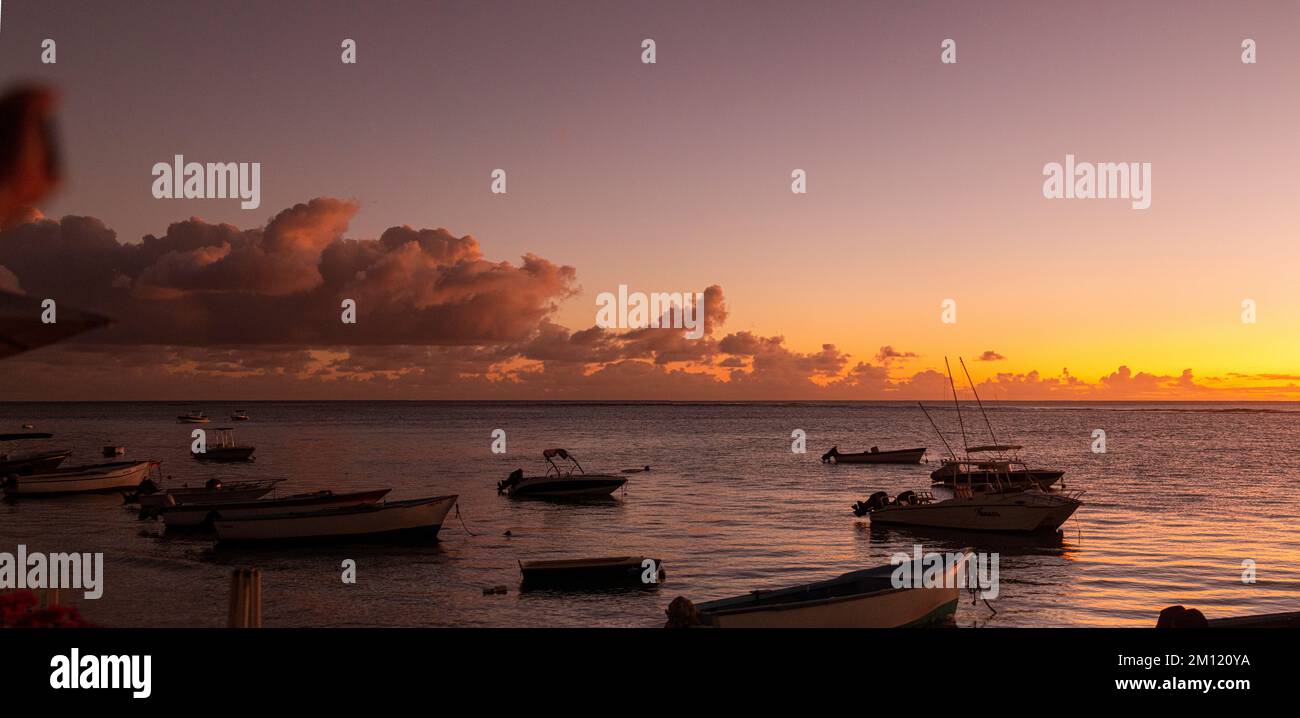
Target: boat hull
224,453
93,478
577,487
864,599
37,462
900,456
227,494
198,514
414,520
1024,512
626,571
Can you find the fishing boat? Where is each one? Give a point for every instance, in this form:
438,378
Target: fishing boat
194,417
859,599
874,456
414,519
239,415
32,462
994,509
631,571
111,476
560,482
222,447
199,514
215,491
1004,463
987,498
985,465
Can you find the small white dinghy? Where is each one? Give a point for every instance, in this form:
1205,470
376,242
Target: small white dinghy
414,519
201,514
111,476
859,599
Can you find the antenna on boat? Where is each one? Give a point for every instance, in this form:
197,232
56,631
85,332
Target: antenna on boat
936,430
977,400
957,404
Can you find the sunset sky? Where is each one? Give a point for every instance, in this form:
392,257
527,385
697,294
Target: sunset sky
924,184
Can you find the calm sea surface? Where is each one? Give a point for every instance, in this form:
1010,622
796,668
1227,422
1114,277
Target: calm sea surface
1183,496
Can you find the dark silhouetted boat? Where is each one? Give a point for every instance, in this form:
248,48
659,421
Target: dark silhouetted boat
874,456
560,482
609,572
411,520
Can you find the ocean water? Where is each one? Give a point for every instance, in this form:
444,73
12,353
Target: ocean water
1184,496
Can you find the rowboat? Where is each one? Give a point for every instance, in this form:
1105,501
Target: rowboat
214,491
198,514
194,417
222,447
858,599
32,462
112,476
874,456
567,482
1029,510
638,571
415,519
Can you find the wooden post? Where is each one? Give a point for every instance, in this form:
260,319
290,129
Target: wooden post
245,598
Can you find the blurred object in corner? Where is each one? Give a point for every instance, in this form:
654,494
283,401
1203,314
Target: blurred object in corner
29,170
29,156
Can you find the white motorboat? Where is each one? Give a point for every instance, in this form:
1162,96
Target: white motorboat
198,514
415,519
239,415
194,417
1013,511
111,476
859,599
567,482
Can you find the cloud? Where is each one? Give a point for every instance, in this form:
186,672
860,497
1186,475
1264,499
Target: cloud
213,310
888,353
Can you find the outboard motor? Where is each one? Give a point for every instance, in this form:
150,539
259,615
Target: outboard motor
514,478
878,500
907,497
212,484
829,457
146,487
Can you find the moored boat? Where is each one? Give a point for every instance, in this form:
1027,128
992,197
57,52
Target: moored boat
32,462
239,415
637,571
197,514
91,478
1005,466
414,519
215,491
567,482
194,417
1021,511
222,447
875,456
859,599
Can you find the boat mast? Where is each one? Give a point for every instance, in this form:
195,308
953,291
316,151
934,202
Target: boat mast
987,423
955,403
936,430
